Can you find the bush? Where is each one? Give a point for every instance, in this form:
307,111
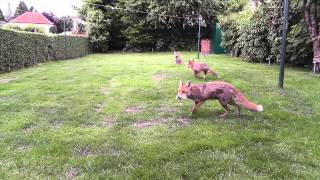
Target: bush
32,28
53,29
13,27
24,49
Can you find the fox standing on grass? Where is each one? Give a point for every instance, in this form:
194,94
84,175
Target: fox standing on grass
198,67
178,57
224,92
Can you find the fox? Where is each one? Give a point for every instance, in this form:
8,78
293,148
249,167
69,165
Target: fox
178,57
222,91
198,67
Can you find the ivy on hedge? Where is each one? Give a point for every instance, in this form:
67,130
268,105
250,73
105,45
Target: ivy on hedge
24,49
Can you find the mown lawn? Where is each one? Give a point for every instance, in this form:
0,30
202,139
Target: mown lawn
115,116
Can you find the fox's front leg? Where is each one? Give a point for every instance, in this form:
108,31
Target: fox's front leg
196,74
196,105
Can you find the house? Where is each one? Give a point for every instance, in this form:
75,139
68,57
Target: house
32,18
78,25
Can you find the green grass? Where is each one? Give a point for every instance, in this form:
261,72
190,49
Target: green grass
69,119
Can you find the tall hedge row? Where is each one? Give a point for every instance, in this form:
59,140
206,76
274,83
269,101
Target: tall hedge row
24,49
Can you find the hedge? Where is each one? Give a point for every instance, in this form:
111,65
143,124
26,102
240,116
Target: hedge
24,49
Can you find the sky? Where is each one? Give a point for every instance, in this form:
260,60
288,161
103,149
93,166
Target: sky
58,7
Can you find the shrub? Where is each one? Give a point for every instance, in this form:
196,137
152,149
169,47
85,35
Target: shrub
13,27
53,29
24,49
32,28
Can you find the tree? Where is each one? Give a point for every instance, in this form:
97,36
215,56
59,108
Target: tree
64,23
22,8
1,16
311,13
32,9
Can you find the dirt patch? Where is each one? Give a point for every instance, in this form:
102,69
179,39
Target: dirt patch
73,173
99,107
29,129
84,151
167,109
56,124
134,110
146,124
185,121
6,80
105,91
109,121
159,77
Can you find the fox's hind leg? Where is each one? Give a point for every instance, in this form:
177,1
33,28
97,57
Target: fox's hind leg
196,74
225,106
236,105
205,72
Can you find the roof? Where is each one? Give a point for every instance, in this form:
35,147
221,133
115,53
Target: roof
32,18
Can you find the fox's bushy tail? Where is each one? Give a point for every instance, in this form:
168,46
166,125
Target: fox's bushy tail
241,100
213,73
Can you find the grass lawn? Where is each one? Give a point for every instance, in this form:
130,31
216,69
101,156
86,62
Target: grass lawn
115,116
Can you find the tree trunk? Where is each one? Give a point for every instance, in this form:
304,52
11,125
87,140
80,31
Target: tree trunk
311,18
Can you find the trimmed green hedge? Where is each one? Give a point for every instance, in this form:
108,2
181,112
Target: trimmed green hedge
24,49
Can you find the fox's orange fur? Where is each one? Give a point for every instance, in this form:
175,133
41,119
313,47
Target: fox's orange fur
224,92
198,67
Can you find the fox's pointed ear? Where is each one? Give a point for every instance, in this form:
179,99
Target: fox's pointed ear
181,83
189,83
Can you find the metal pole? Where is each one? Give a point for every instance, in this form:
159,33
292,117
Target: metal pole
65,39
283,43
199,33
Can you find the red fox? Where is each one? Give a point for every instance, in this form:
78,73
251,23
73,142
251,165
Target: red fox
197,68
224,92
178,57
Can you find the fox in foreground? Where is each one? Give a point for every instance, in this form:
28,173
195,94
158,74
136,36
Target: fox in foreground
224,92
198,67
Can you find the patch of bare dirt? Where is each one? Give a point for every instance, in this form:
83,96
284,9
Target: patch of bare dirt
167,109
24,147
29,128
146,124
185,121
159,77
105,91
84,151
109,121
99,107
56,124
134,110
73,173
6,80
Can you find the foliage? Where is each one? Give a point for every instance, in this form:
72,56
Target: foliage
53,30
22,8
257,36
64,23
150,25
1,16
13,27
24,49
34,28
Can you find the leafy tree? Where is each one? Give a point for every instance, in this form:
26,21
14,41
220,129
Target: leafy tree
1,16
311,11
22,8
64,23
52,18
32,9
